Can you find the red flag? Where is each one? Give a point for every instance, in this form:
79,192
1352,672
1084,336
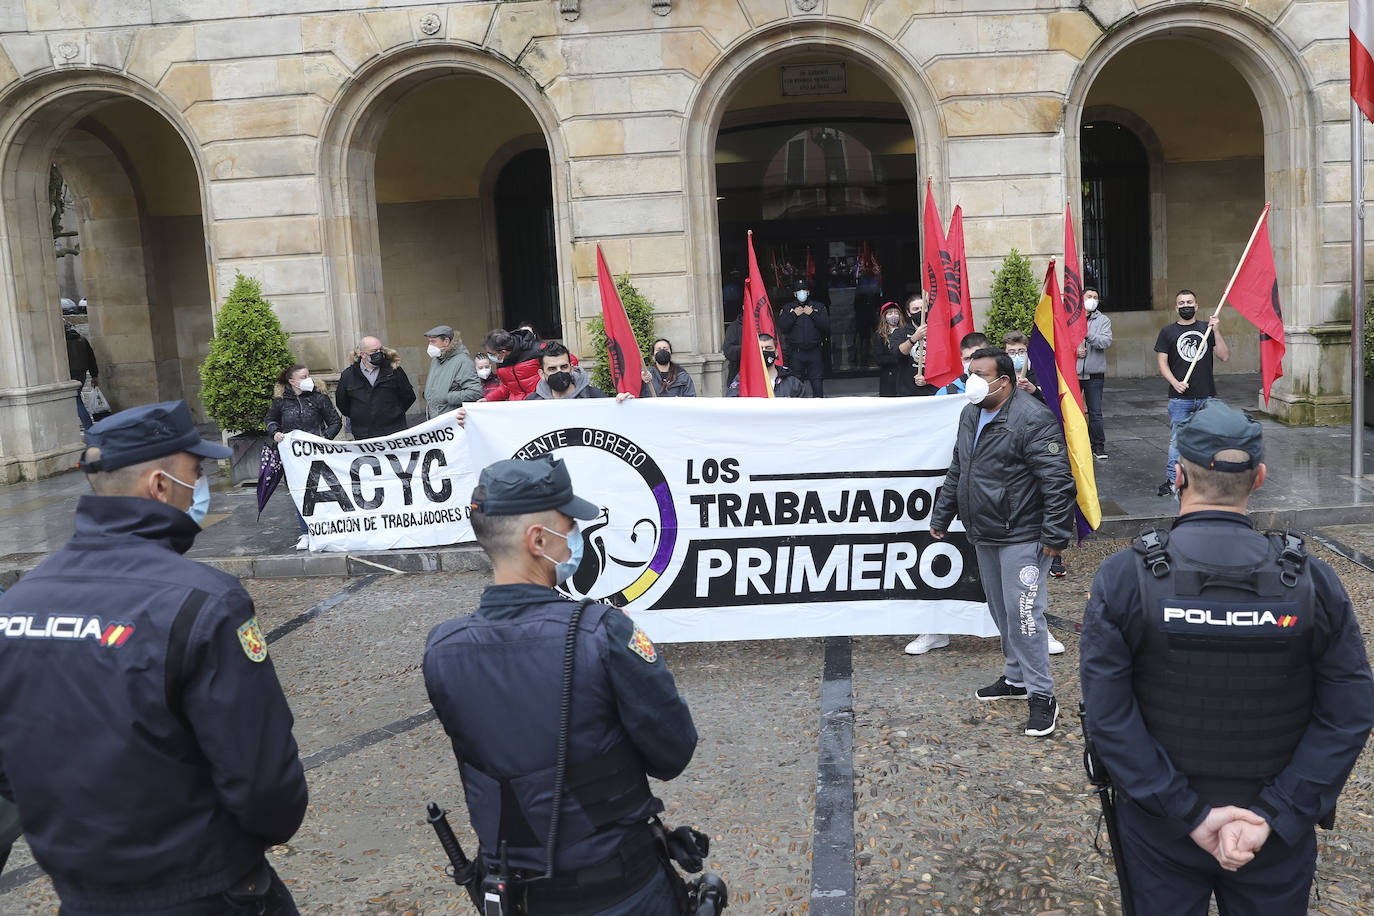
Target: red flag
943,363
1065,353
753,374
961,322
1076,319
1361,64
622,350
1254,291
810,266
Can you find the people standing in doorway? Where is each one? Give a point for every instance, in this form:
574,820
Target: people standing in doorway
1092,368
807,325
452,380
893,365
298,405
1178,346
374,391
669,380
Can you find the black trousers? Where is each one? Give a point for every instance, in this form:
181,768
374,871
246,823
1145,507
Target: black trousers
277,902
808,366
1172,875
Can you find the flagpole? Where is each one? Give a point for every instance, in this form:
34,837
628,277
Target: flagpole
1239,264
1356,290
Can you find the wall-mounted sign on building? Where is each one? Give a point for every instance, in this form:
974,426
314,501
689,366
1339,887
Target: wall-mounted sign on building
814,79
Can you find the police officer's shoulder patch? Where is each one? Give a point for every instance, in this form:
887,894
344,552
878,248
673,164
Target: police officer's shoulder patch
641,646
250,637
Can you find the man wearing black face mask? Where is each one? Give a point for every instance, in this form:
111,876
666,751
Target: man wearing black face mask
1176,347
374,392
561,379
785,384
669,380
1010,482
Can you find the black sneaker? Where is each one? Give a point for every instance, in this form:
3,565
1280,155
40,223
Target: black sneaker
1100,453
1057,568
1000,691
1044,712
1165,489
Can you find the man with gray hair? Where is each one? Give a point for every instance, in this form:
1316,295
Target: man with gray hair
374,392
452,380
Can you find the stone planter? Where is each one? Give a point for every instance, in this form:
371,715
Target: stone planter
243,464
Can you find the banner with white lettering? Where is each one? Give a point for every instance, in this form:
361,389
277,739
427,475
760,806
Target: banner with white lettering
410,489
728,519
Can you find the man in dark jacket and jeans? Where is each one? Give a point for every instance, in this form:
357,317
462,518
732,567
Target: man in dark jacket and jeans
143,733
374,392
1010,481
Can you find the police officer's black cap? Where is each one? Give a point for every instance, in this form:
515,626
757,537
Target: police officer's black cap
1217,428
518,487
800,285
146,433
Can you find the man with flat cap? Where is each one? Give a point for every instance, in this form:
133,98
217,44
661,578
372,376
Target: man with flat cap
143,733
1226,690
452,380
505,666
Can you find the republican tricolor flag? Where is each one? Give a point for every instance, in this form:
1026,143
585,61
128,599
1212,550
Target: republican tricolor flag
1361,64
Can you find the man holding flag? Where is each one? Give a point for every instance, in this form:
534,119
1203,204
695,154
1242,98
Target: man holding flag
1182,347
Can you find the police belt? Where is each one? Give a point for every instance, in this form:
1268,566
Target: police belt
596,887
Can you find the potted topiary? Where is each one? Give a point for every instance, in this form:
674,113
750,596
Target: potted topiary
248,351
640,311
1015,294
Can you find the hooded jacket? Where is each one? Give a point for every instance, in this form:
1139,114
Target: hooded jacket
310,411
143,732
786,385
1098,339
519,373
376,410
80,357
582,387
452,380
1015,487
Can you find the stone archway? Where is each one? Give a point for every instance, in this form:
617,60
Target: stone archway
150,330
1284,151
915,98
368,219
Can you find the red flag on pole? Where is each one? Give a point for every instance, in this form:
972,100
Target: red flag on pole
1361,64
1254,292
753,374
1065,352
943,364
622,350
810,267
961,306
1075,319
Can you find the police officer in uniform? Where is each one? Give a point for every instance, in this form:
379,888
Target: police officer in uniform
143,733
806,323
1226,689
495,679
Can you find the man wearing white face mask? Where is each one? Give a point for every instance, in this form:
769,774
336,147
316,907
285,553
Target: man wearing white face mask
452,380
1092,368
505,664
138,696
1010,483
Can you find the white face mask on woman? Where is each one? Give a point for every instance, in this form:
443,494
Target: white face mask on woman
306,384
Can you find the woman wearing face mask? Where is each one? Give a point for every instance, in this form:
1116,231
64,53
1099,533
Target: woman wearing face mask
296,404
484,375
890,363
669,380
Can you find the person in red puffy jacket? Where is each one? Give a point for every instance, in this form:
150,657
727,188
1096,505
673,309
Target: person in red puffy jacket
515,355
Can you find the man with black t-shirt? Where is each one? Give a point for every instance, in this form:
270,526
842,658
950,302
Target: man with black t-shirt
1177,346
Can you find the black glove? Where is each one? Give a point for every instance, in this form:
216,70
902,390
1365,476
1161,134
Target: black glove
689,848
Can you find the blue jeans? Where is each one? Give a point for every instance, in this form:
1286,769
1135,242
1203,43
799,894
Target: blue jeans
1092,397
1180,409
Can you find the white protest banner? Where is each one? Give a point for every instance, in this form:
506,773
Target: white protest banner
410,489
757,519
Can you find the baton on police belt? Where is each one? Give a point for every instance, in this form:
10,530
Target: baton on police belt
1106,794
466,874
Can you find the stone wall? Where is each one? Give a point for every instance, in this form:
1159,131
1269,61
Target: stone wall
282,107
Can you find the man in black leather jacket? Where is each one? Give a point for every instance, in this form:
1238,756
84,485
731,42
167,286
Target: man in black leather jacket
1010,481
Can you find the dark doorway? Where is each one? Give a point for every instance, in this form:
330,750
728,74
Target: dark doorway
834,202
1116,216
525,240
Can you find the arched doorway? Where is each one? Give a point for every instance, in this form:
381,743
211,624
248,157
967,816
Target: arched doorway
1116,216
411,156
525,240
133,190
817,156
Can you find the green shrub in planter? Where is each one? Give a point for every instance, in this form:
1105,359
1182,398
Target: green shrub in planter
640,311
1015,294
247,352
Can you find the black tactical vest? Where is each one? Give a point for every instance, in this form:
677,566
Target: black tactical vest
1223,674
506,677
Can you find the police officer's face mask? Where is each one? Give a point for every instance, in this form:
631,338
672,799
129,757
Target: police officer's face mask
200,496
564,570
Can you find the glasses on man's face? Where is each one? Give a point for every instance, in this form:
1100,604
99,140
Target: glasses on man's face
1016,352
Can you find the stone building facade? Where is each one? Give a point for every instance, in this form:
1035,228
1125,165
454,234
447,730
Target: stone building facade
386,166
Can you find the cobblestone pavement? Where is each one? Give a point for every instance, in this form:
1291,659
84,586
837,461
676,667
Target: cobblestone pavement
956,811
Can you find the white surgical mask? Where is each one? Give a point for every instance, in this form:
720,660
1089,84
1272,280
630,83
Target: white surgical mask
484,373
1090,304
976,389
306,384
433,351
802,295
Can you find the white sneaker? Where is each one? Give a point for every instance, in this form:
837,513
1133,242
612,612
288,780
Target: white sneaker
924,643
1056,647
